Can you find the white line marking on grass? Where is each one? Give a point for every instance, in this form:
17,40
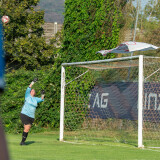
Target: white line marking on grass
151,150
93,144
73,142
118,145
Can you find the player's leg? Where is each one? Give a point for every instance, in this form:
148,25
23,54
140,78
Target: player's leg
27,128
25,133
27,123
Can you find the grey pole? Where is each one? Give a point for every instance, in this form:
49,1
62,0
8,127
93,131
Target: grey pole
135,27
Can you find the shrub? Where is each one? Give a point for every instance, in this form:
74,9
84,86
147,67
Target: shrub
47,113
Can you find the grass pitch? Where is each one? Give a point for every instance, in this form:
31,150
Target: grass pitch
45,146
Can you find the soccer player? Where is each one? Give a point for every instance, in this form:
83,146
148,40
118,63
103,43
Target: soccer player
3,145
28,110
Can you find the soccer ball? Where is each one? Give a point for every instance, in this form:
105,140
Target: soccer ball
5,19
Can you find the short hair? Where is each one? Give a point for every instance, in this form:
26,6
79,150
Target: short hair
32,89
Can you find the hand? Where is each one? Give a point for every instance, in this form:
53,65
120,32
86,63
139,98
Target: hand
35,80
43,92
32,83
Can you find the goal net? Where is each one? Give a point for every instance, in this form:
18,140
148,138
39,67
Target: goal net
113,100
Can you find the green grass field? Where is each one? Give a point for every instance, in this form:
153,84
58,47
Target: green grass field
45,146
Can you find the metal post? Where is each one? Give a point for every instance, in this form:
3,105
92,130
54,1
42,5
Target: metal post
137,15
135,27
55,28
140,102
62,103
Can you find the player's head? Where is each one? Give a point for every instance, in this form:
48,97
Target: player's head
33,92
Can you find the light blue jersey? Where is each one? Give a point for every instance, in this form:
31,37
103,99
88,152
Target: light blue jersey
30,104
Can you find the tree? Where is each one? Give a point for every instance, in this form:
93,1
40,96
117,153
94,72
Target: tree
90,26
152,9
149,25
23,34
150,15
150,20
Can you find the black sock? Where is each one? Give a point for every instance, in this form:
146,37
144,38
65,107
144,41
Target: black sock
24,136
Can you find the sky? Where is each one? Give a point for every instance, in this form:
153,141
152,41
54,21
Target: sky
143,3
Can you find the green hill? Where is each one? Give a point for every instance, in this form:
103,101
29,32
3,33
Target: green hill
54,10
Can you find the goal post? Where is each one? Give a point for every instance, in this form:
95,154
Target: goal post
140,102
62,103
112,100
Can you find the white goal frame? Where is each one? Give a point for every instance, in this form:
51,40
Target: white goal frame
140,92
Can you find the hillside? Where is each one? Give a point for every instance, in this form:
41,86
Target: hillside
54,10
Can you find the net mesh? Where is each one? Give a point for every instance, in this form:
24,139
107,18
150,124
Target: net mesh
101,102
96,103
151,114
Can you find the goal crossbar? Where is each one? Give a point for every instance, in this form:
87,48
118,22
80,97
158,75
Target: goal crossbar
101,61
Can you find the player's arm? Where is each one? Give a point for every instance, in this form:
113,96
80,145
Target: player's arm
39,99
42,97
28,90
32,83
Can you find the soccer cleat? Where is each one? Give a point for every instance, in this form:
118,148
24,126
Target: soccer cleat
22,143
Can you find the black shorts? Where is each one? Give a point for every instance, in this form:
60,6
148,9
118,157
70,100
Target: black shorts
26,120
